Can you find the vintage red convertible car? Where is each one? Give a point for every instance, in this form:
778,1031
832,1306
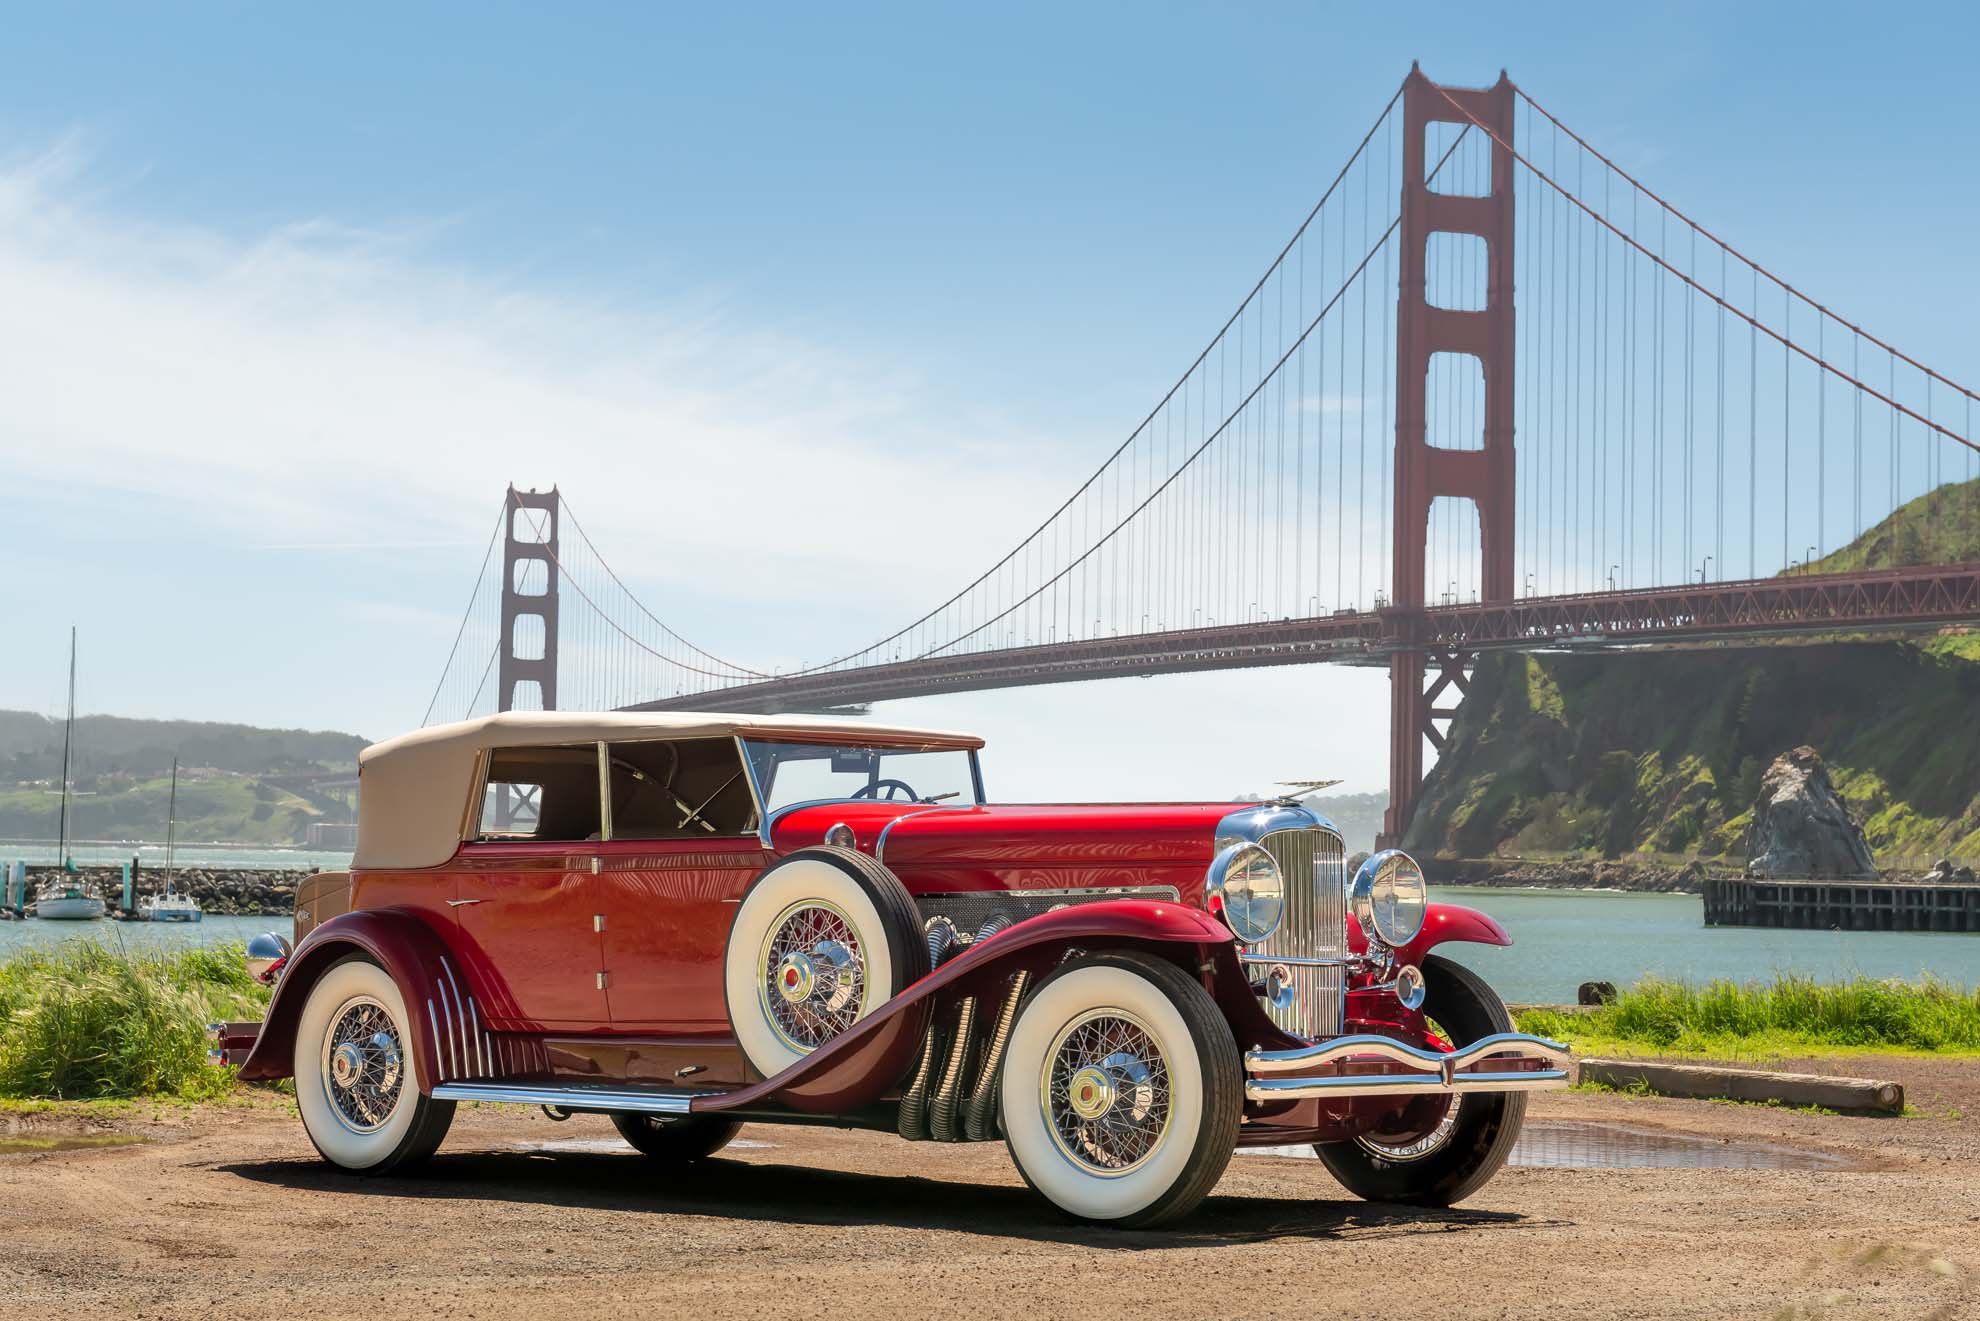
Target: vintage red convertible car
691,921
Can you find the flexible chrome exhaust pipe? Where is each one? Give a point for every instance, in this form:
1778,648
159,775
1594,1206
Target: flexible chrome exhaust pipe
980,1115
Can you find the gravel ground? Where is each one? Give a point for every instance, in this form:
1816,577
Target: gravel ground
225,1210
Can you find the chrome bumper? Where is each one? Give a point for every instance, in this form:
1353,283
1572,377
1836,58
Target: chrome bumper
230,1043
1383,1066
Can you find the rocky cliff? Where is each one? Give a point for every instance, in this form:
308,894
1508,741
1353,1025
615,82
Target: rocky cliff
1640,753
1801,826
1627,754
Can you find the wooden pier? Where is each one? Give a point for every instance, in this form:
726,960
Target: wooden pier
1823,905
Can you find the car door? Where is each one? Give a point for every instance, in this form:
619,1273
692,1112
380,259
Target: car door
527,900
683,850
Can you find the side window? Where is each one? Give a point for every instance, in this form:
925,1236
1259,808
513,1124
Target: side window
548,794
680,789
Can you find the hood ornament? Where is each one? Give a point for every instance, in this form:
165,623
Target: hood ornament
1298,789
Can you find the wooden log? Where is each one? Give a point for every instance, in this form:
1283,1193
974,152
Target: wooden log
1849,1095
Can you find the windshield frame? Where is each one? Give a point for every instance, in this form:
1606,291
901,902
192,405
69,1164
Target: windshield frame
767,816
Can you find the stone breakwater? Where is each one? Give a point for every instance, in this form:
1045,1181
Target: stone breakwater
221,891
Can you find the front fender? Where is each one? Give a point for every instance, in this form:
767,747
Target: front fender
448,1038
1445,923
860,1065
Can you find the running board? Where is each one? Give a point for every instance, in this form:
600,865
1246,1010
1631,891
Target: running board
602,1099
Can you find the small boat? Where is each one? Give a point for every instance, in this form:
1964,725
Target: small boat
172,905
68,897
68,901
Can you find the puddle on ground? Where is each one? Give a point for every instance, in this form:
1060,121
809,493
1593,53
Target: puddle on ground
88,1142
1571,1144
616,1146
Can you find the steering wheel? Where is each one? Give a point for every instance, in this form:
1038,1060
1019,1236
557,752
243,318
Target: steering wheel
890,785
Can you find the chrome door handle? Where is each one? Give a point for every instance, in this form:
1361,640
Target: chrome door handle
461,903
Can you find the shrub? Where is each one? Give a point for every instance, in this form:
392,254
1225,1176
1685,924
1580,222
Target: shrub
87,1021
1928,1015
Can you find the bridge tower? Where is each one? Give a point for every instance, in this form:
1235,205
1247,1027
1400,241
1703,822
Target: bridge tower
1425,469
528,667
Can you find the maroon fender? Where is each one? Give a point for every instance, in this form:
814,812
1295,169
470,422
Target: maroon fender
1448,922
448,1039
859,1066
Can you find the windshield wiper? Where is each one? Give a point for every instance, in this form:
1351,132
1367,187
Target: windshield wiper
936,798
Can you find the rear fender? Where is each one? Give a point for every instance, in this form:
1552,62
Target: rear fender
449,1040
862,1064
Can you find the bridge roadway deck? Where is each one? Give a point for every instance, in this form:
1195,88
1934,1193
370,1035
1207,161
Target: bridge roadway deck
1883,601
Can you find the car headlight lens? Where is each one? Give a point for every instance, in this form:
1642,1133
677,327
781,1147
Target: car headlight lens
1389,897
1245,889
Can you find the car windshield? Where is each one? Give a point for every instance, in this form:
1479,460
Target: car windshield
788,773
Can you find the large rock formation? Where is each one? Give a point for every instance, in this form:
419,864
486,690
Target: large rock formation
1801,826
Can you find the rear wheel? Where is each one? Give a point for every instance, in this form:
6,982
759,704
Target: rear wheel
1121,1090
360,1104
676,1141
1436,1155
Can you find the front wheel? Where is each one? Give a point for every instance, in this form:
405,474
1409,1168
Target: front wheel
1439,1153
360,1104
1121,1090
676,1141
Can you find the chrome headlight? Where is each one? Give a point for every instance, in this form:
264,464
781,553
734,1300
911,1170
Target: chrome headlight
1244,888
1389,897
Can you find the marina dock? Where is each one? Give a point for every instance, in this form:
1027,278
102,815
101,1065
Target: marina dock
1822,905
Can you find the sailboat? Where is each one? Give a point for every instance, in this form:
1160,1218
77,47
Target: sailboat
170,905
68,897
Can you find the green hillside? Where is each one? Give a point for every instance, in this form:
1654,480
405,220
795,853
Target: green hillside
31,746
237,783
1662,752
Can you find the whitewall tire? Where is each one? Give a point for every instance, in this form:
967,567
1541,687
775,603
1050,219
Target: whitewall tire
360,1103
1121,1090
823,938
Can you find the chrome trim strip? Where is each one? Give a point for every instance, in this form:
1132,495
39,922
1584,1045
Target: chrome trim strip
570,1098
755,792
1167,892
604,792
1296,961
460,1012
439,1062
1445,1063
880,841
771,818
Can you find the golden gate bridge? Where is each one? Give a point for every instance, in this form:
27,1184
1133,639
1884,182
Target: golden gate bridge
1494,393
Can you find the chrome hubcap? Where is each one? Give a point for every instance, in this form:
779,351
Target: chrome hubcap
362,1063
796,978
1106,1092
814,974
1092,1092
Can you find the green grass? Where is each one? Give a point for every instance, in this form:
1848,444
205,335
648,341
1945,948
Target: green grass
89,1022
1790,1015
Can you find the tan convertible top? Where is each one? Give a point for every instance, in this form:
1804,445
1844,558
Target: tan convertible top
414,789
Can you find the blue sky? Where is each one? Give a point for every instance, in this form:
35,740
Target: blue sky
291,297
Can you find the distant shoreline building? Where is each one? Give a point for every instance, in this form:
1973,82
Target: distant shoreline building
331,836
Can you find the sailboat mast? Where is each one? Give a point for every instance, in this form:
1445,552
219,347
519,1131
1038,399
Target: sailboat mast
171,823
68,737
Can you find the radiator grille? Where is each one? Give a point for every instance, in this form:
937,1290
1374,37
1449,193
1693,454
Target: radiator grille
1314,863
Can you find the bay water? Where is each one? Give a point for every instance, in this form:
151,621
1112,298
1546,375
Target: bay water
1561,939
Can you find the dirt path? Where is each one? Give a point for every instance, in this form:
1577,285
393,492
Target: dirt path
226,1212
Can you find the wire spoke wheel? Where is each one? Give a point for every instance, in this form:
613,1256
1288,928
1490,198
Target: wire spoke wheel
1106,1092
813,974
363,1064
1400,1147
